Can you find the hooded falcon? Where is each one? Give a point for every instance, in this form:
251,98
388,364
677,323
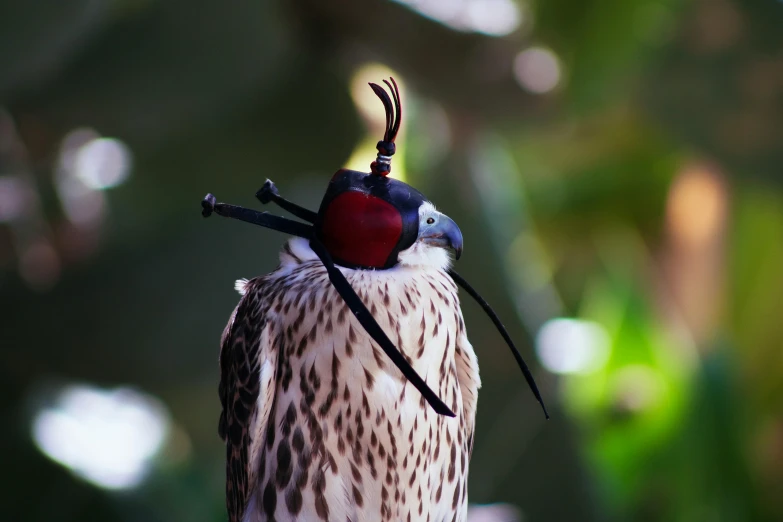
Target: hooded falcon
348,385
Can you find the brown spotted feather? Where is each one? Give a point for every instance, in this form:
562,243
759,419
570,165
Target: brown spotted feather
318,424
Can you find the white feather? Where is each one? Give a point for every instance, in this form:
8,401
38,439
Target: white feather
424,255
240,286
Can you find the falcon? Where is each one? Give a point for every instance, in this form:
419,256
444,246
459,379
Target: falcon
348,384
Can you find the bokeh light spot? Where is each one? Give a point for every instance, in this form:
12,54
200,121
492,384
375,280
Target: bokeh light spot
498,512
572,346
537,70
87,165
103,163
16,197
107,437
697,206
490,17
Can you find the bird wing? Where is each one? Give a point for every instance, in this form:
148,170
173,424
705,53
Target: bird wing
248,363
469,381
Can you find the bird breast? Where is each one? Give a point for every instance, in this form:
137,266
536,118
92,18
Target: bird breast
349,437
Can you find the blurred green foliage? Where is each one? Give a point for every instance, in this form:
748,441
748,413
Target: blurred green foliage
639,193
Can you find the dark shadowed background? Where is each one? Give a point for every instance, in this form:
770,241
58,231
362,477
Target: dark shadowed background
615,166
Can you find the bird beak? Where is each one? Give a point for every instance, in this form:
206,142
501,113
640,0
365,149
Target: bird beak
445,234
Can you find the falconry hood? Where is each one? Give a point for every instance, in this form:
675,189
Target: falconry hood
365,220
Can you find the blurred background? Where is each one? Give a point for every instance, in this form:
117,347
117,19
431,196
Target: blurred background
615,166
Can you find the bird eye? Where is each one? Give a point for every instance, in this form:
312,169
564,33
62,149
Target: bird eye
430,221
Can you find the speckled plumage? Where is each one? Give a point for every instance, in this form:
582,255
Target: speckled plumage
318,424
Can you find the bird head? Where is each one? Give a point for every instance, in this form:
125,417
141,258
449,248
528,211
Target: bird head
368,220
376,222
